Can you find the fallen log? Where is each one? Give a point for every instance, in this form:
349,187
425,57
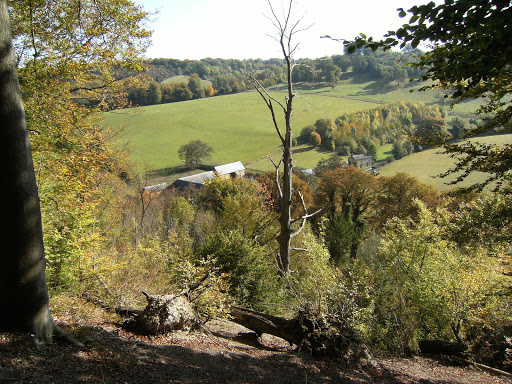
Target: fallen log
287,329
494,371
316,334
442,347
319,335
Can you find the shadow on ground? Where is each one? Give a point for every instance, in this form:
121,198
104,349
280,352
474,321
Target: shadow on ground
113,358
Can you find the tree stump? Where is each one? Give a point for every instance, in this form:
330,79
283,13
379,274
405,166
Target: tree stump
165,313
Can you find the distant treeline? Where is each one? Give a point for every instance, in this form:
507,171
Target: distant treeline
363,132
230,75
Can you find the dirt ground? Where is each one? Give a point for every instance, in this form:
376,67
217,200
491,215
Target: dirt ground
224,354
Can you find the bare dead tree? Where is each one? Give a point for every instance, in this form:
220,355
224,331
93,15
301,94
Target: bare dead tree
286,31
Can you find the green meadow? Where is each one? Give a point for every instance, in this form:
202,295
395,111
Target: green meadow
363,88
239,127
184,79
426,165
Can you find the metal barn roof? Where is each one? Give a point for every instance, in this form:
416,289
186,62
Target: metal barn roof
229,168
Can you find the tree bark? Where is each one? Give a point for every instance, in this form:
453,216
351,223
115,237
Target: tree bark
319,335
287,329
285,235
165,313
23,291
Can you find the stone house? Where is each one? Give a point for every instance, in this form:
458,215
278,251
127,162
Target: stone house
362,161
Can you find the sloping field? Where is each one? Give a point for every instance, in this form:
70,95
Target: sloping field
238,127
364,88
427,164
184,79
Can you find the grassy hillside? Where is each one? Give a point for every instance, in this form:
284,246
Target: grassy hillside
238,127
427,164
363,88
184,79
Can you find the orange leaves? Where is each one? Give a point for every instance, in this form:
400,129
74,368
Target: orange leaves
315,139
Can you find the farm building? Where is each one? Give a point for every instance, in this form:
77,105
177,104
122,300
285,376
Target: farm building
194,180
231,170
363,161
156,187
234,170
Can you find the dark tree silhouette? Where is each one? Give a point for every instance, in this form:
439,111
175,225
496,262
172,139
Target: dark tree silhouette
23,292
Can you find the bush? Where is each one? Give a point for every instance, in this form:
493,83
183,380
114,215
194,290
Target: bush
425,287
315,139
305,133
211,298
248,267
321,288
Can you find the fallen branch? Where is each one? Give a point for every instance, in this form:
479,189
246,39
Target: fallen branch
121,311
319,335
287,329
483,367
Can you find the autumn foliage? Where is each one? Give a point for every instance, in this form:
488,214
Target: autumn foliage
395,258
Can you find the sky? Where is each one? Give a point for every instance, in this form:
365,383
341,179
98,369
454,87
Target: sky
241,29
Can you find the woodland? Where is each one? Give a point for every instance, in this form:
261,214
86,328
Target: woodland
341,264
230,76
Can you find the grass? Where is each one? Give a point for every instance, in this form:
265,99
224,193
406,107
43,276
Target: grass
384,151
239,127
183,79
364,88
430,163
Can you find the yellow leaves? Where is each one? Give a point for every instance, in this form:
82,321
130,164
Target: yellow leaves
444,283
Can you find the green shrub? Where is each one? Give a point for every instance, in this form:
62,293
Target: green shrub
425,287
210,296
249,268
320,287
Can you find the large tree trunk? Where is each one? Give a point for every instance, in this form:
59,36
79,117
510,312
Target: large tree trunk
319,335
23,291
290,330
442,347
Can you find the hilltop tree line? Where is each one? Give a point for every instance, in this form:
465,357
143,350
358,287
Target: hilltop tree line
227,76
